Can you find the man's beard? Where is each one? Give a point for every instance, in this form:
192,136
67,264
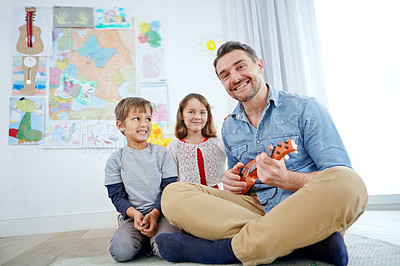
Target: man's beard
253,93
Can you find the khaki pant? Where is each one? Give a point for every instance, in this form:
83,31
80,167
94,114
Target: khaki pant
330,202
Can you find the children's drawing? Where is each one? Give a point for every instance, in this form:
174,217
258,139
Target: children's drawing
151,66
207,45
38,78
89,72
112,18
157,93
150,32
26,120
70,88
71,17
102,134
32,31
62,134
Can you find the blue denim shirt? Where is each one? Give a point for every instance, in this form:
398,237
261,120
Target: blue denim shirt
286,116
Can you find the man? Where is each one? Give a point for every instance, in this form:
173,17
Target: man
300,206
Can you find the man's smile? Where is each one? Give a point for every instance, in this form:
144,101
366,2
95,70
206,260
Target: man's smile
241,86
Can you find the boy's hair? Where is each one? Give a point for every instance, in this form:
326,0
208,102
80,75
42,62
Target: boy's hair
231,46
122,108
208,130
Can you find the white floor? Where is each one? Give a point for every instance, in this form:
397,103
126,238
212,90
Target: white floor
382,225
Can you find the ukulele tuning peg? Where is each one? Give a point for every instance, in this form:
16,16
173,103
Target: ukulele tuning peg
286,157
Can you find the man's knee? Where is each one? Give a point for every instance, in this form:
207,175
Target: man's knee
173,195
350,182
348,186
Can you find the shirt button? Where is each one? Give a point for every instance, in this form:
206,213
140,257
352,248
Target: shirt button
258,142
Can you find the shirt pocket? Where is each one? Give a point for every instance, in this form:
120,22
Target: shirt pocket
286,123
239,151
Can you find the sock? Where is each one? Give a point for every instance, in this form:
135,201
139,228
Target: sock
178,247
331,250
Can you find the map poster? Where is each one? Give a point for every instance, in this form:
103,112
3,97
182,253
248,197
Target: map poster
90,71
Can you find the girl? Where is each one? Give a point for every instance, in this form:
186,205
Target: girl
197,151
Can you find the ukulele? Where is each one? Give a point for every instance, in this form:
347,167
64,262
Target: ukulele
249,172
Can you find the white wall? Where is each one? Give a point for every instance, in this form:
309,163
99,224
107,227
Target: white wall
58,190
360,42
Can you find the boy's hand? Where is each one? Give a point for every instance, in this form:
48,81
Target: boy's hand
137,218
150,220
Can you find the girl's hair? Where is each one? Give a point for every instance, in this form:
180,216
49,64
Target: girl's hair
208,130
122,108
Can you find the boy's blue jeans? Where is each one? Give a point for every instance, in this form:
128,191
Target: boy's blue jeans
127,242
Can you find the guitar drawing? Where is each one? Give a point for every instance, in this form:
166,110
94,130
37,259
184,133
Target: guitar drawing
29,43
249,172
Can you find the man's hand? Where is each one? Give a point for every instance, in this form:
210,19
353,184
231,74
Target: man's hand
232,181
151,220
274,173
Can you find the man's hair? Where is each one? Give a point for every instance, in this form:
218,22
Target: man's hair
231,46
140,104
208,130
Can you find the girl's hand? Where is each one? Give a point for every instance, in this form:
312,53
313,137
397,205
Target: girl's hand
232,180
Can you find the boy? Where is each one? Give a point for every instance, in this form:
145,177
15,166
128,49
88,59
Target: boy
135,177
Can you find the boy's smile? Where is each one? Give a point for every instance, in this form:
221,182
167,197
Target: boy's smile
136,128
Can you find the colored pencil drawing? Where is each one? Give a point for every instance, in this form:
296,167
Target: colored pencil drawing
112,18
157,93
150,32
62,134
26,120
151,67
102,134
40,76
150,43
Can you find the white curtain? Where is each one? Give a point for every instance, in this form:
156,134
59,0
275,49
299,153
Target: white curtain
285,36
